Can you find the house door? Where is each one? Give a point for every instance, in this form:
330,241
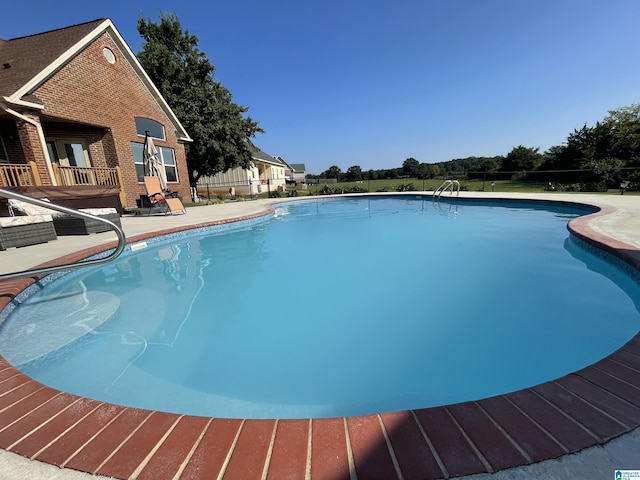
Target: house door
69,153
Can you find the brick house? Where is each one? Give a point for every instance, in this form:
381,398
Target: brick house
74,107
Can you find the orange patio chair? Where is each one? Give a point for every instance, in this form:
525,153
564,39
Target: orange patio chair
158,198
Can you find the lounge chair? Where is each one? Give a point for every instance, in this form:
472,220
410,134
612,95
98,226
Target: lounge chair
65,224
23,231
167,202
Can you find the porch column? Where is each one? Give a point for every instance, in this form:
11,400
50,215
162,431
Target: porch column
33,144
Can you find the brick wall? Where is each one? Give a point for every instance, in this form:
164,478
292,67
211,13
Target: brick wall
92,91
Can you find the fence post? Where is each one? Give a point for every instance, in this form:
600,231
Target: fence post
35,175
56,173
123,195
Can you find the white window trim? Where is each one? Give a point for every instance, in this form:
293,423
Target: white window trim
174,165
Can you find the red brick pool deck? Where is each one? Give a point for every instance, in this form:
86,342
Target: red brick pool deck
588,407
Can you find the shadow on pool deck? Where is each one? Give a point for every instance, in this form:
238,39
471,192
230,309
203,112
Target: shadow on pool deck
584,409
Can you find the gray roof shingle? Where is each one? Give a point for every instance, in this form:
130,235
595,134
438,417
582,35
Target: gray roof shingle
23,58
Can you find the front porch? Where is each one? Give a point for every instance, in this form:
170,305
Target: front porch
16,175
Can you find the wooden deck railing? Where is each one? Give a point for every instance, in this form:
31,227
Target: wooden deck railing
86,175
89,176
26,174
19,174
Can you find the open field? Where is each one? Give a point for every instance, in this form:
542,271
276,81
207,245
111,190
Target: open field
392,185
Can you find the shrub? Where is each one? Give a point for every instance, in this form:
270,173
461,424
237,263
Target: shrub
408,187
353,189
581,187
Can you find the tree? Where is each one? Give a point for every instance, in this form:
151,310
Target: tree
435,170
220,131
522,158
411,167
333,172
353,173
490,165
424,171
624,129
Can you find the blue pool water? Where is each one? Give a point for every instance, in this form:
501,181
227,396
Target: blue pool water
332,307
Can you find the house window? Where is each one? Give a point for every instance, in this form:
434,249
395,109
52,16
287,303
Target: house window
109,55
69,153
155,129
167,158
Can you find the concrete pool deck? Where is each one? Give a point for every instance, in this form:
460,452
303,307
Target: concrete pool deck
583,425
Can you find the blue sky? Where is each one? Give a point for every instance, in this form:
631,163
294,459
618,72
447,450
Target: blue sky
371,83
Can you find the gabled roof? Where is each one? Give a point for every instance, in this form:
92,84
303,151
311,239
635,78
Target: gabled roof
294,167
24,58
27,62
261,156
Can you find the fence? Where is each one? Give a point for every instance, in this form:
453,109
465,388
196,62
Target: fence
321,181
208,189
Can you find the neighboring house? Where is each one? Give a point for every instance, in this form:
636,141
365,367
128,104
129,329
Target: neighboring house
294,172
266,174
74,107
298,172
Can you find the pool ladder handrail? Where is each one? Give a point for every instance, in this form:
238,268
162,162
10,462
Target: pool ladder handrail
446,185
122,240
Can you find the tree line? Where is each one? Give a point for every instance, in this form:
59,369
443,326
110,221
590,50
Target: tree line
593,158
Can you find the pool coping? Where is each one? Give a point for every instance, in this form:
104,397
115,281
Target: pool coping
585,408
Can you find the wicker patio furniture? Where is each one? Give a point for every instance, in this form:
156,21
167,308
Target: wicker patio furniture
70,225
23,231
65,224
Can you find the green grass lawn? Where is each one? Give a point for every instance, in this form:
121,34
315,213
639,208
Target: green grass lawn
391,185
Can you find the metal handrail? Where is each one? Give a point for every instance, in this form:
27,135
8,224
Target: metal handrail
445,185
122,240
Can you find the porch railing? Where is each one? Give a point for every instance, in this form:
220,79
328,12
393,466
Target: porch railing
90,176
86,175
26,174
19,175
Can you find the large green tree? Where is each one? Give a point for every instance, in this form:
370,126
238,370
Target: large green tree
220,130
353,174
411,167
522,158
624,128
332,172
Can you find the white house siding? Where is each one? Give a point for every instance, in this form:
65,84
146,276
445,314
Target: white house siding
238,178
261,178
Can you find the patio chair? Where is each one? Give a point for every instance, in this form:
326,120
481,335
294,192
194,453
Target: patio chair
167,202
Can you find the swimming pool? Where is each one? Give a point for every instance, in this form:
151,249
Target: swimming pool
453,292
